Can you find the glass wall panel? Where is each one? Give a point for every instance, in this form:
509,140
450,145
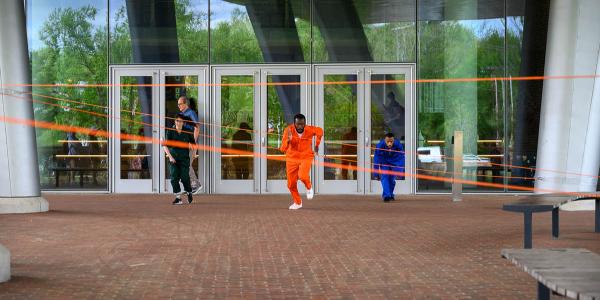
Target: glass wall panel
364,31
461,41
167,31
256,31
68,45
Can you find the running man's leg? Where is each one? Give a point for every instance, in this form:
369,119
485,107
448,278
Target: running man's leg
394,177
392,184
292,168
185,177
385,183
304,173
175,177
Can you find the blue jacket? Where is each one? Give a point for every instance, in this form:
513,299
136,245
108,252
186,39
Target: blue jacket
190,113
385,156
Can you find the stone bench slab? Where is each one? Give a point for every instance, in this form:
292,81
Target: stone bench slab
574,273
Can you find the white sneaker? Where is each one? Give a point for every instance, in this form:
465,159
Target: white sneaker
310,194
197,189
295,206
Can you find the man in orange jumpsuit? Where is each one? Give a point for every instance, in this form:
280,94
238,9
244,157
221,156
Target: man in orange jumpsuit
296,144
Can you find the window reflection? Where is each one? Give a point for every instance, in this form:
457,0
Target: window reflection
237,121
341,143
260,31
364,31
174,31
61,55
136,119
458,40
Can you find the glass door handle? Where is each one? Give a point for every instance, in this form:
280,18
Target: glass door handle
367,142
263,141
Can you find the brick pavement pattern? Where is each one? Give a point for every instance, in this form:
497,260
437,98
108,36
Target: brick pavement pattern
253,247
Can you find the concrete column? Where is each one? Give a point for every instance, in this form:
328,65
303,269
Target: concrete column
4,264
591,151
19,174
569,140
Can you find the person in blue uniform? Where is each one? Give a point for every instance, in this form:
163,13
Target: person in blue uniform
389,156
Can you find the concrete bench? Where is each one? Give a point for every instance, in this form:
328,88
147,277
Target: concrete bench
544,203
573,273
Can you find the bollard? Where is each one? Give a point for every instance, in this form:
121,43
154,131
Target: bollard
458,166
4,264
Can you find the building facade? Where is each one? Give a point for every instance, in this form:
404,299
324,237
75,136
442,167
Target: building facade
421,69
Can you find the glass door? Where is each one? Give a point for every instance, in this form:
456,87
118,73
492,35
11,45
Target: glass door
144,101
283,94
252,107
136,149
236,113
357,106
175,83
339,103
388,99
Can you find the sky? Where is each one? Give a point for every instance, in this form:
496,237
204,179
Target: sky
39,10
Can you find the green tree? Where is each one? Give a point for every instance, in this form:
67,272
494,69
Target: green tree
74,52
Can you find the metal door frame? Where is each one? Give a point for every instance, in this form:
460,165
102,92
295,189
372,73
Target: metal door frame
260,183
232,186
405,186
364,185
200,72
339,186
119,185
158,72
280,186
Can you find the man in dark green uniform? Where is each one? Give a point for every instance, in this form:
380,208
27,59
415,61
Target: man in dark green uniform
179,158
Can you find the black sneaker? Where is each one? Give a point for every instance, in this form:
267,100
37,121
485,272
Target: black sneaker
190,198
392,199
177,201
386,199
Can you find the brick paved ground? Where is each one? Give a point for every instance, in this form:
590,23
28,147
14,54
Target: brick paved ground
140,246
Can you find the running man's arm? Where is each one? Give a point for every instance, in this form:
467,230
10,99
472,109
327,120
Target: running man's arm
196,132
192,143
401,154
196,122
166,148
285,139
319,136
171,159
377,161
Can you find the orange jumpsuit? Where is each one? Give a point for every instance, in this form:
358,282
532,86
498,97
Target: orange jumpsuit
299,157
